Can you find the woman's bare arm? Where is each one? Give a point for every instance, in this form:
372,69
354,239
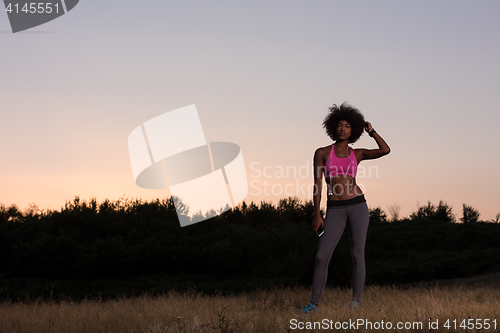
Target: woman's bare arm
383,147
318,166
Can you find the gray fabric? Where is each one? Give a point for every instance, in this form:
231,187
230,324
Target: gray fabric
357,219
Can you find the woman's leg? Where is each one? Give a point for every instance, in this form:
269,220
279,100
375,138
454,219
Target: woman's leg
335,222
358,220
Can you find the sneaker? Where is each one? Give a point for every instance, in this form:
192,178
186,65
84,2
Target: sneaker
309,307
354,305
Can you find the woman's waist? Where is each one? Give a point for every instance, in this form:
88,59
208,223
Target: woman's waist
345,202
344,189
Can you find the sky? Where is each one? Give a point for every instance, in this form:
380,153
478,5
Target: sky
262,74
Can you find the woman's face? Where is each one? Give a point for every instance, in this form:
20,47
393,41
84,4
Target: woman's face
343,130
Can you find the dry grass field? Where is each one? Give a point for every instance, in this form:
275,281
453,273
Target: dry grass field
274,310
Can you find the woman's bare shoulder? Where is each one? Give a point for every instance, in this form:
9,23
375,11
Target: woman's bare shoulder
322,151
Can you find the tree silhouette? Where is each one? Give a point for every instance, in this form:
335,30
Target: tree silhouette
469,214
377,215
441,212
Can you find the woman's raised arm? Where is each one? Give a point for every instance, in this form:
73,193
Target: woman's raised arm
383,148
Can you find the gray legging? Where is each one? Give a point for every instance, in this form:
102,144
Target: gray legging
355,213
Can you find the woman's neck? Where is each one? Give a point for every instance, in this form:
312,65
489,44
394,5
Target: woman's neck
341,144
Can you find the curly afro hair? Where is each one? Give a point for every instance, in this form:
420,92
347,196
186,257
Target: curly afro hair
344,112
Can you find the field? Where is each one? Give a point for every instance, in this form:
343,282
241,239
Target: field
275,310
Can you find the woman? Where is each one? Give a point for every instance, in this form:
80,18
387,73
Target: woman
346,202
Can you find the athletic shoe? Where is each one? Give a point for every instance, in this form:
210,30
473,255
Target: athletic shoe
354,305
308,308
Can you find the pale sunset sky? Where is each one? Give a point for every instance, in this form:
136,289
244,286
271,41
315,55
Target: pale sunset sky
262,74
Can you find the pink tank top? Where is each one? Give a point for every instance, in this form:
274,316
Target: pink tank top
340,166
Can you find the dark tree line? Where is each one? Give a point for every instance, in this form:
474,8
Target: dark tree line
130,246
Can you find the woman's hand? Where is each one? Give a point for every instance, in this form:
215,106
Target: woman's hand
317,221
368,126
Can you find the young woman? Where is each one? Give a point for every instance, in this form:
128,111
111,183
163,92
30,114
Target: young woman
346,202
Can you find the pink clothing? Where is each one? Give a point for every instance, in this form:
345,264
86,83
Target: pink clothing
340,166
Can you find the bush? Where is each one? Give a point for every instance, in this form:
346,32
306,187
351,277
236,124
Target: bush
469,214
441,212
377,215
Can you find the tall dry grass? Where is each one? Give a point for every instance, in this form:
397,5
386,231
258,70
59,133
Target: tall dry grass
260,311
